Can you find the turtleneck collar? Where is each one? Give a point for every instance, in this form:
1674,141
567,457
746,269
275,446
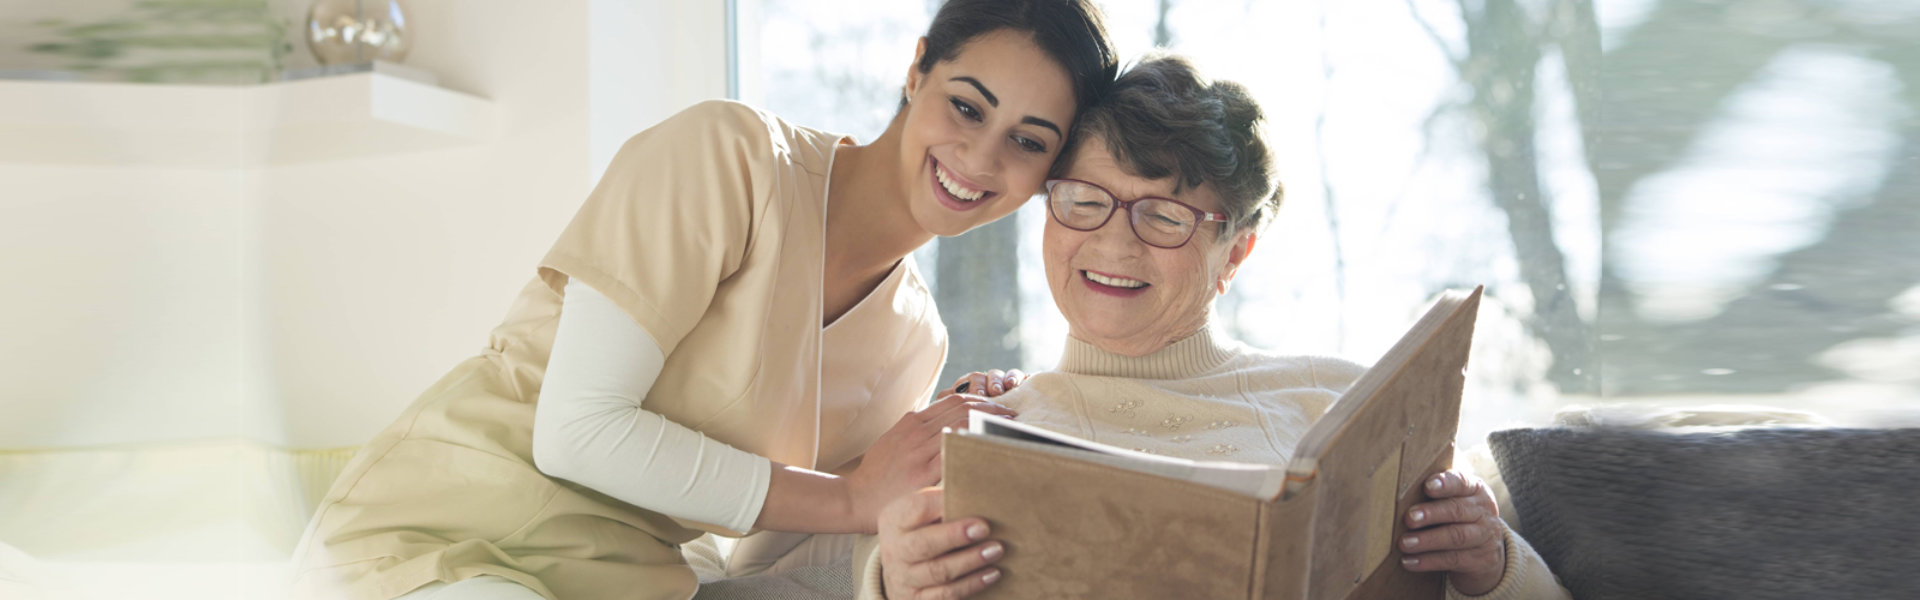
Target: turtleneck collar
1193,356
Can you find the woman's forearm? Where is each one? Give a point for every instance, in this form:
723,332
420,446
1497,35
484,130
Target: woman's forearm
806,501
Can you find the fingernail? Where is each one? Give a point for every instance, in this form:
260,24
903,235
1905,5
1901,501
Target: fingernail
1434,484
1409,561
991,552
977,532
1419,515
991,576
1410,542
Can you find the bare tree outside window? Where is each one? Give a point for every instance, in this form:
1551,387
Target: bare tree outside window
1656,217
1757,170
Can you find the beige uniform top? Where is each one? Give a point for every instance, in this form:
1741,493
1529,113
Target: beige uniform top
708,229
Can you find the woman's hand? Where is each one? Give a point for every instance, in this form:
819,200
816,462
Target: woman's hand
907,456
990,384
922,557
1458,532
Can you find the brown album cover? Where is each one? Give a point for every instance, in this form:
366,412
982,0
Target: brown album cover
1087,520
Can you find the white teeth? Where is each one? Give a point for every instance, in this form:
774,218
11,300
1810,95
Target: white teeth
956,189
1114,281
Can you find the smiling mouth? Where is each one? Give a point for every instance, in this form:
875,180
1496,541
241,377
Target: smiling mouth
964,193
1112,281
954,190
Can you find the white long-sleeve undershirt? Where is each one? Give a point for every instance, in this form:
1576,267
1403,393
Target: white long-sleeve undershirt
589,427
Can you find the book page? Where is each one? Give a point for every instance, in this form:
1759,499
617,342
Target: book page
1249,479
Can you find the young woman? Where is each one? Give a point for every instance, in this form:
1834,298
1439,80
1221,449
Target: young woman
725,338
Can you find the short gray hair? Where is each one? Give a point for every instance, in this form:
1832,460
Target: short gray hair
1163,118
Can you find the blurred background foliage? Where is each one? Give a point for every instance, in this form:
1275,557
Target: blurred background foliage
1680,202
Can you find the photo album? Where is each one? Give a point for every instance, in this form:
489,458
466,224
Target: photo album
1085,519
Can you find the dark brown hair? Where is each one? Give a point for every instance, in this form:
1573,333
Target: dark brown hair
1072,32
1164,119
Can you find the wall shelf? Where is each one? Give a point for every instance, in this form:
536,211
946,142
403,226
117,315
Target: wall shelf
337,117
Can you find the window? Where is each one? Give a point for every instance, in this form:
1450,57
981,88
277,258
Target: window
1429,144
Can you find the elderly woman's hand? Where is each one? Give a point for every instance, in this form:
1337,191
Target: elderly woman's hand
989,384
922,557
1458,532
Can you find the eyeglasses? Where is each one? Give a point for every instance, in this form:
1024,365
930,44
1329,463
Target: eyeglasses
1160,222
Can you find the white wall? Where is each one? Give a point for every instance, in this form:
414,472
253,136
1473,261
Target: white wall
376,275
649,59
117,315
308,304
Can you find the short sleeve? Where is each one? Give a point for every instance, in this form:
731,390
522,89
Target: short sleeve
672,218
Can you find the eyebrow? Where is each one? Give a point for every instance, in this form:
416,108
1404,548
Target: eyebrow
995,102
1043,123
991,99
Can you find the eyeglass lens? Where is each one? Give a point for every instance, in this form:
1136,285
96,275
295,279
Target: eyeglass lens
1157,222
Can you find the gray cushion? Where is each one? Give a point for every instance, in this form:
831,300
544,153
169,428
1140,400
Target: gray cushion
1751,514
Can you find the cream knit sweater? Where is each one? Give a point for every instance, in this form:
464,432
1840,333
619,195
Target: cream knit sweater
1204,398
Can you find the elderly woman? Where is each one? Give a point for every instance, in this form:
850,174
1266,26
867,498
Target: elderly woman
1161,202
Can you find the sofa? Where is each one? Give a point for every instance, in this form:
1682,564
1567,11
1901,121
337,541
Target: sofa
1753,513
